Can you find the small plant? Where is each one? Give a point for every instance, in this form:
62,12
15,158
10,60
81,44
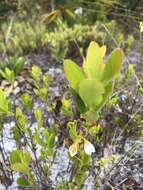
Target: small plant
16,64
33,169
8,75
11,68
92,84
130,73
26,101
20,163
80,154
5,105
41,83
78,139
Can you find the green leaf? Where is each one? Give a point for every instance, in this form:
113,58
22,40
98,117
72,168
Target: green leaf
5,106
79,102
16,133
21,120
84,159
39,140
91,116
129,72
106,95
38,116
42,93
45,80
23,182
20,160
17,64
36,73
8,75
113,66
46,134
26,157
91,91
73,74
72,131
26,101
51,141
15,156
93,66
20,167
66,107
2,74
18,156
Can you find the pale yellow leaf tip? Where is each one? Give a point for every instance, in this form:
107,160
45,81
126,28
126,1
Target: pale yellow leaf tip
103,50
93,44
73,149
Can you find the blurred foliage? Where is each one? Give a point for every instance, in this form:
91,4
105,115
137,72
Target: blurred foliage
23,30
90,10
25,37
6,6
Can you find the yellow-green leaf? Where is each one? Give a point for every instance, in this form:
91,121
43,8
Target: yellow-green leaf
129,72
103,51
113,66
93,65
91,90
15,156
106,95
73,149
79,102
23,182
22,168
73,74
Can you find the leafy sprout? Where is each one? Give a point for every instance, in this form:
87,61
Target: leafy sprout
92,84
